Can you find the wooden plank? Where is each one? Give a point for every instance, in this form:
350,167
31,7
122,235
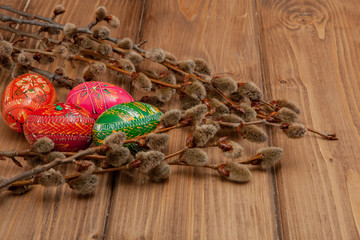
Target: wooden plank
197,204
310,55
60,213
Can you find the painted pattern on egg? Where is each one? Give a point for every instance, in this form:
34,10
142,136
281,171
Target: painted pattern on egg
68,125
24,95
134,119
96,97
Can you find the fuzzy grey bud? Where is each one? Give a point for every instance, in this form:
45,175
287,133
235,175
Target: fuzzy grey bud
250,90
225,85
202,67
271,156
100,13
101,32
113,21
125,43
195,90
194,157
50,178
104,49
155,55
160,173
171,118
43,145
187,66
203,134
70,30
142,82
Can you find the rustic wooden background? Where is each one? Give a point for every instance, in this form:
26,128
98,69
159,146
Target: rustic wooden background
304,50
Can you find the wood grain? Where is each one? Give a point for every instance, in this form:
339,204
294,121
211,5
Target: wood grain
197,204
310,54
307,51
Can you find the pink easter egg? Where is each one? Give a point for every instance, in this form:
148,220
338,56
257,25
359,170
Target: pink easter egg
96,97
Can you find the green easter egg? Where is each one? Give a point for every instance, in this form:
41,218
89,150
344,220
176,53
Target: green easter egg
132,118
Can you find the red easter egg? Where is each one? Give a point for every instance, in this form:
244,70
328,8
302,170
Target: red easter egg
68,125
25,94
96,97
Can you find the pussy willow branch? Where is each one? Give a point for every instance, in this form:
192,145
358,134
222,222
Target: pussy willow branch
171,66
87,30
30,50
19,183
25,14
263,121
53,76
88,60
57,162
26,34
53,24
327,136
29,152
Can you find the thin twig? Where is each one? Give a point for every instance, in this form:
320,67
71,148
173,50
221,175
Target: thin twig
30,50
57,162
53,77
263,121
88,60
328,136
25,14
26,34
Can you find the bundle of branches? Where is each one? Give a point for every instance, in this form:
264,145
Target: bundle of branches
209,104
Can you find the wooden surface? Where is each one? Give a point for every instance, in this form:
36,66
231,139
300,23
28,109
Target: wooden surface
307,51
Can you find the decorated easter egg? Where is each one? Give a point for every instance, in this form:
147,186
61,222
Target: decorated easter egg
25,94
68,125
134,119
96,97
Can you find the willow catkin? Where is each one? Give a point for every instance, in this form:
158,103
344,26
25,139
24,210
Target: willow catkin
195,90
54,155
288,104
287,115
43,145
59,9
194,157
196,113
236,151
113,21
101,32
155,55
187,66
237,172
115,139
104,49
295,130
50,178
253,133
202,67
142,82
70,30
170,118
85,183
226,85
270,156
149,159
118,156
249,113
250,90
100,13
203,134
125,43
157,141
160,173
